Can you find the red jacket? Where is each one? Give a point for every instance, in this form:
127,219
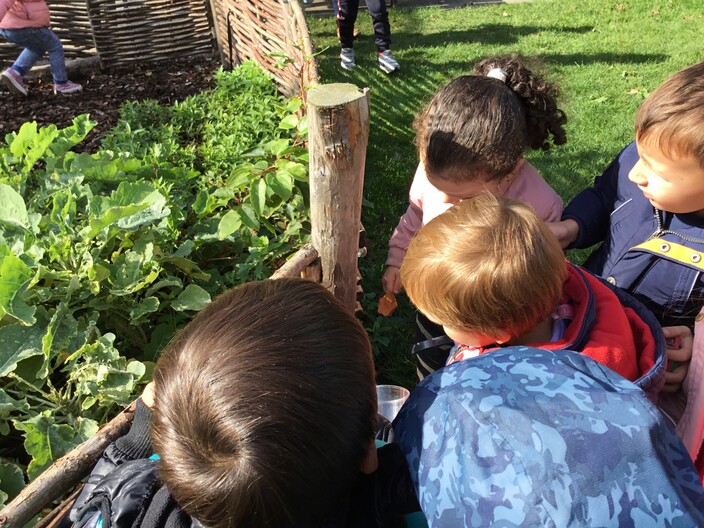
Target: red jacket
612,328
22,14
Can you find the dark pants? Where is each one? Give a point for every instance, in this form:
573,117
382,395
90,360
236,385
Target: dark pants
432,358
346,11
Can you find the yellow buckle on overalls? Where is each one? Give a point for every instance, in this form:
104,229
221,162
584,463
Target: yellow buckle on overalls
673,251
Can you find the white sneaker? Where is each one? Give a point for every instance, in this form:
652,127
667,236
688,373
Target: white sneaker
347,58
387,62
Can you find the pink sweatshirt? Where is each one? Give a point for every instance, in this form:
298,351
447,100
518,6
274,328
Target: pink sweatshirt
21,14
427,202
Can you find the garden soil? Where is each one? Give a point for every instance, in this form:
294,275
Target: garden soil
103,94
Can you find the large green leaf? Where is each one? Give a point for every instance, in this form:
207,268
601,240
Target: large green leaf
18,343
11,481
15,275
46,441
257,195
248,217
281,182
12,208
229,223
32,144
130,199
193,297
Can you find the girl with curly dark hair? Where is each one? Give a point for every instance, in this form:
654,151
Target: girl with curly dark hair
471,139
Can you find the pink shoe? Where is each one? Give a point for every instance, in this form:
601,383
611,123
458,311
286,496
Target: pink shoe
13,81
67,88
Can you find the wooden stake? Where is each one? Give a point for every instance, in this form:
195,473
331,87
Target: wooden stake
338,132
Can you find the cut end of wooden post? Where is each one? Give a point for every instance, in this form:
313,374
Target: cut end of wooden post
335,94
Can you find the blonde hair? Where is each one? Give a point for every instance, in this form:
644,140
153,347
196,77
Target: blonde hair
488,264
671,118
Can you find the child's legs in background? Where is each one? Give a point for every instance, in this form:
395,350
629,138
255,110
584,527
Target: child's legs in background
380,19
346,17
36,42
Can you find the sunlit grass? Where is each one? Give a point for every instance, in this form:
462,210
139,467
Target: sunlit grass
606,57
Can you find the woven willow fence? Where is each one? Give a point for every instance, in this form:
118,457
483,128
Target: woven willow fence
124,32
270,32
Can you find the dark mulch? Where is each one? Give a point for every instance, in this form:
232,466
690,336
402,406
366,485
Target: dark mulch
103,94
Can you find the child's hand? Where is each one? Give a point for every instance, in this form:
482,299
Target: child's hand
679,351
565,231
148,395
391,280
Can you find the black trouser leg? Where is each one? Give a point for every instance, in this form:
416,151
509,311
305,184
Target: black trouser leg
380,19
346,17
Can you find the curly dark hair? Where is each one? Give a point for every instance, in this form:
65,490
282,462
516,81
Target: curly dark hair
479,126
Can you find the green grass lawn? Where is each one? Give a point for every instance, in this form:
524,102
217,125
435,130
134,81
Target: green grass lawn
606,57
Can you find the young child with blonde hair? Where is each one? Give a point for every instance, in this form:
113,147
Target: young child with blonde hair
492,274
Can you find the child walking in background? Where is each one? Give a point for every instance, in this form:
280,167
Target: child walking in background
471,139
26,23
492,274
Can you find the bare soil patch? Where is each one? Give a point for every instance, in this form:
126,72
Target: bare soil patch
103,94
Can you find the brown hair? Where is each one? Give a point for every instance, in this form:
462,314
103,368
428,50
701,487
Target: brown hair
265,406
487,264
671,119
479,126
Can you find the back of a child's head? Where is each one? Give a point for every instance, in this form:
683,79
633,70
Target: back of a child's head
478,126
671,119
488,264
264,407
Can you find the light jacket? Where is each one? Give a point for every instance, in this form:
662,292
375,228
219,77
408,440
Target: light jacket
657,256
22,14
528,437
427,202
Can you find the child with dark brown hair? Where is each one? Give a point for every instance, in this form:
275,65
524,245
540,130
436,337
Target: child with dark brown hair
264,416
471,139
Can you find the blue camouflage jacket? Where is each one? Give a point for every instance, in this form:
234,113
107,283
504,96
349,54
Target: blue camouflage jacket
530,437
657,256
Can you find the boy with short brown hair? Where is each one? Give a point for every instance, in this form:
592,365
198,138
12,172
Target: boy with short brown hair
648,206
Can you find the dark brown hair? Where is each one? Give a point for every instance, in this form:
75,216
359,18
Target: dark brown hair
264,407
671,119
479,126
487,264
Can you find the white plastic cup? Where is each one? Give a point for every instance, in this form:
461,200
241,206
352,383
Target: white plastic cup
390,399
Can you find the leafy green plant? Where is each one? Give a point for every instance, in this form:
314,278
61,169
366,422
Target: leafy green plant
104,256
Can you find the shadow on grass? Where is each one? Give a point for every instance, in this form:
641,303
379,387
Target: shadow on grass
490,34
428,61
